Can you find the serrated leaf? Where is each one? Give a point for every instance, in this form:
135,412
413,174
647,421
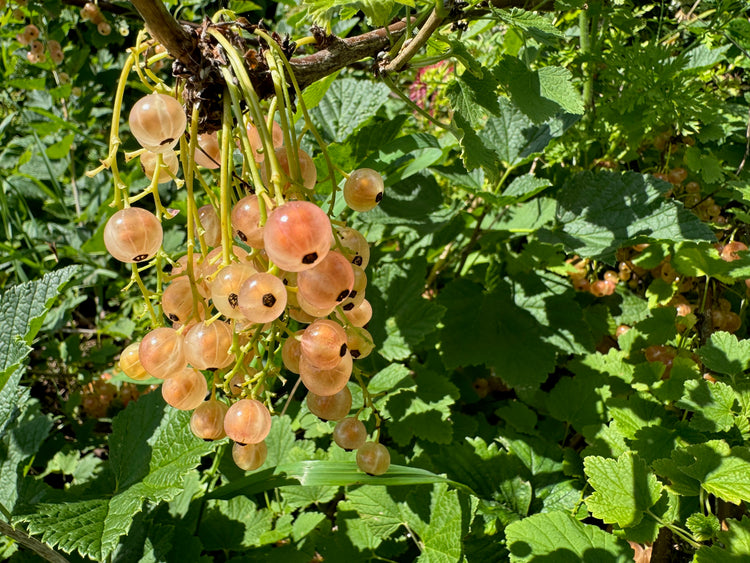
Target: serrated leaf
725,354
421,412
722,471
490,329
235,524
347,105
704,527
712,405
535,25
22,310
473,98
441,537
514,138
601,212
557,536
699,260
393,377
376,508
166,453
733,545
540,94
525,187
580,400
623,489
313,94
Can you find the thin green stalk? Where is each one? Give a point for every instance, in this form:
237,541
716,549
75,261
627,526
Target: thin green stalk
450,128
227,165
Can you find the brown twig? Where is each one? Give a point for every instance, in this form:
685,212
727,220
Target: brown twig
41,549
412,47
165,29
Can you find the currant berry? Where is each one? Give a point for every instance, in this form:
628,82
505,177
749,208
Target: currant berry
207,421
209,346
161,352
308,172
357,294
226,286
157,121
325,382
323,344
149,161
133,235
246,221
333,407
297,236
37,47
359,316
350,433
262,298
311,310
328,283
178,304
291,351
356,247
31,31
373,458
730,250
185,390
363,189
249,457
130,363
257,145
247,421
360,343
208,152
211,224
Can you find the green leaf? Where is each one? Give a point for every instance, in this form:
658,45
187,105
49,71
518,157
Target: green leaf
722,471
441,537
540,94
313,94
151,451
390,379
347,105
490,329
61,148
703,526
698,260
558,537
601,212
514,138
725,354
712,405
535,25
580,400
525,187
22,310
234,524
423,411
318,473
732,545
623,489
473,97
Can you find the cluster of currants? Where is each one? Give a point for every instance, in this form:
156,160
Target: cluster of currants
275,284
36,53
91,12
98,396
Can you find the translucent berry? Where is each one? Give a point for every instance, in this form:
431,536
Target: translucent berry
104,28
373,458
323,344
130,363
363,189
308,173
157,121
209,346
262,298
207,422
291,351
360,343
730,250
328,283
247,421
297,236
325,382
359,316
249,457
185,390
246,221
211,224
133,235
170,163
356,247
178,302
333,407
31,31
208,151
162,353
225,288
257,146
350,433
